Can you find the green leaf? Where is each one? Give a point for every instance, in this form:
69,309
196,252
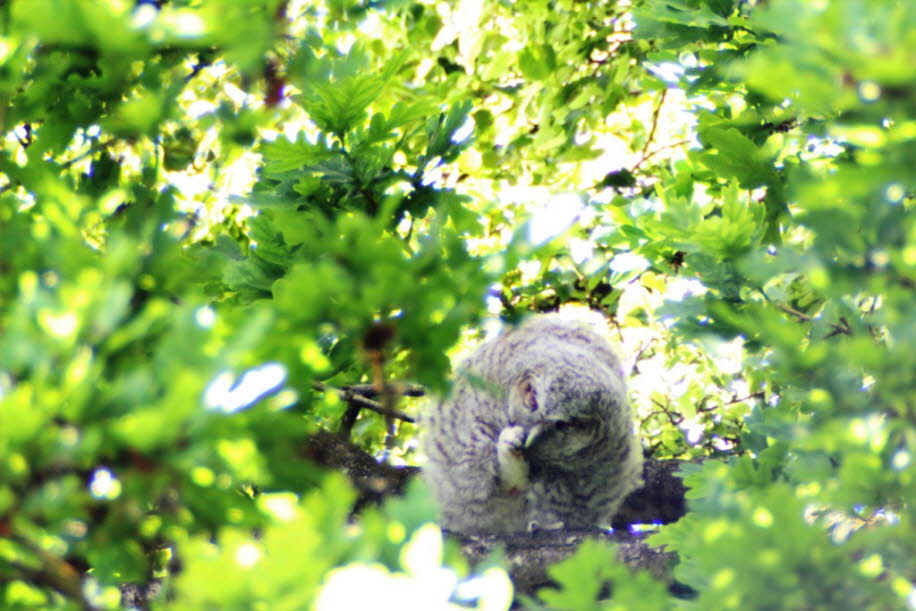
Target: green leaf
736,156
583,577
283,155
536,63
339,106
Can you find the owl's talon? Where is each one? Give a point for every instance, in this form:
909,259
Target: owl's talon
534,526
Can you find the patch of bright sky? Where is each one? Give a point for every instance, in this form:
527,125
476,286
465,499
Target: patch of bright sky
626,262
465,131
554,216
669,72
227,394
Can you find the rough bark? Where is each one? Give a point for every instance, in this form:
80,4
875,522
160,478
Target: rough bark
372,480
528,556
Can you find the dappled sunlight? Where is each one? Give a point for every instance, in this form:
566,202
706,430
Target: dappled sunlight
241,240
247,555
104,485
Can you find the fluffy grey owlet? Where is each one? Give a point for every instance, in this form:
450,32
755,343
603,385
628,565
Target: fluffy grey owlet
536,433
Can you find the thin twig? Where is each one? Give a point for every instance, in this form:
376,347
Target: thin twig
370,391
674,418
635,369
646,157
377,407
95,147
754,395
801,316
735,399
655,114
358,400
841,328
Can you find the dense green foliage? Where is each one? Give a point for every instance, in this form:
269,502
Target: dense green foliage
207,206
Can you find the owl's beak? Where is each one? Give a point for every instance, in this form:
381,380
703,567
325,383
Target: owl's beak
533,434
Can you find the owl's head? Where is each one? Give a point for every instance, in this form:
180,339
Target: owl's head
566,417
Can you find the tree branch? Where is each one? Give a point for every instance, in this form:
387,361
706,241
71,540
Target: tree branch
356,399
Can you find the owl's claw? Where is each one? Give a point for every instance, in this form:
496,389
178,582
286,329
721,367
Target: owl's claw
534,525
533,434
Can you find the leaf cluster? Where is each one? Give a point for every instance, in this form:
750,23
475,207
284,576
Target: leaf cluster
208,208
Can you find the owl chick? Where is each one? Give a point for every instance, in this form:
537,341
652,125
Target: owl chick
536,433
